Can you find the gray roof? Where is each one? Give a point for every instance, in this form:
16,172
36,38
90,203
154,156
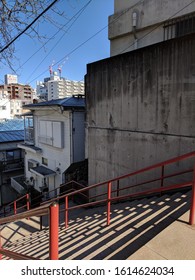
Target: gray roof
11,136
43,171
68,102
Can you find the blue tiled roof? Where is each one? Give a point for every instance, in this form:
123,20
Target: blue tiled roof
11,136
68,102
14,124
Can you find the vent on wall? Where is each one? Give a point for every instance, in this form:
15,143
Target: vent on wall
179,27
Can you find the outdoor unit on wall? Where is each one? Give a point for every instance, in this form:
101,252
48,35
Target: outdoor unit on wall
32,163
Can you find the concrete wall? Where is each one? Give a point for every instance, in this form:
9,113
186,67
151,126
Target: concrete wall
140,108
151,15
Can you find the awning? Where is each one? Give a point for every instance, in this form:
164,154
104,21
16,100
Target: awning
43,171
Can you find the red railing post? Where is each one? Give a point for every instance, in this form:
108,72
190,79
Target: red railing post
0,246
66,211
108,203
53,231
27,201
192,207
15,211
162,175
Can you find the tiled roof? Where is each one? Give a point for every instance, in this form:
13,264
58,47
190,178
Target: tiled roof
68,102
43,171
14,124
11,136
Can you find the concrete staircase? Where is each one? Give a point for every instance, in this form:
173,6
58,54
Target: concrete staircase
150,228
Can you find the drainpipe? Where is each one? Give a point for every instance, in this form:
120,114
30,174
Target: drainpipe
134,25
71,136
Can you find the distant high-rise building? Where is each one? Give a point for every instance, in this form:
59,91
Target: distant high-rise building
57,87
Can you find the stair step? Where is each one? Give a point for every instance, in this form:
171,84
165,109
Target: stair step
133,224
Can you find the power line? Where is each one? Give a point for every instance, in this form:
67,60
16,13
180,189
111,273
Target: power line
94,35
116,20
76,16
23,31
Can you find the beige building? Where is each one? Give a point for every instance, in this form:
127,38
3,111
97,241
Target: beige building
15,96
137,24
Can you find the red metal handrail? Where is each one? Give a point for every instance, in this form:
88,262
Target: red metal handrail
13,204
108,199
53,211
109,183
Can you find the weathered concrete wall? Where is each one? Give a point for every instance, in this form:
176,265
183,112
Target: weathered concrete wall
140,108
151,14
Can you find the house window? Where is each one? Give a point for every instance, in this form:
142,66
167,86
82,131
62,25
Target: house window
51,133
13,155
45,161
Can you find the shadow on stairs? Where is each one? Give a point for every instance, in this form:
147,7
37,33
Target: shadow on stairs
149,228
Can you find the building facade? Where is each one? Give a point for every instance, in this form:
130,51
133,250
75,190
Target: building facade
56,87
54,139
14,96
137,24
5,109
11,157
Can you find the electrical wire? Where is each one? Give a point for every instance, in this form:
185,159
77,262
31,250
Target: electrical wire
111,23
157,26
28,26
77,15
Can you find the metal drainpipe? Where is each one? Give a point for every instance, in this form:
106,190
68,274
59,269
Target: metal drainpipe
134,25
71,136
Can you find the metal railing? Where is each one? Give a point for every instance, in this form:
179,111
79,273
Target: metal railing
157,190
19,205
25,202
53,211
110,195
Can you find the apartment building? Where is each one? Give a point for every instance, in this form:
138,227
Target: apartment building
56,87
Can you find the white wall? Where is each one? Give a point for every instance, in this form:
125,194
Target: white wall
4,109
57,157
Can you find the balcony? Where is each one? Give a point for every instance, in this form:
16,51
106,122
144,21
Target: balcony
18,183
29,139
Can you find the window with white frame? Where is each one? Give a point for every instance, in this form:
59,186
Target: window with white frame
51,133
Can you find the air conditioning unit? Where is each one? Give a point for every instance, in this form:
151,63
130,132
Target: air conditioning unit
33,163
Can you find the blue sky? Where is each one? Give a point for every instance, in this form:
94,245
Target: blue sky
67,47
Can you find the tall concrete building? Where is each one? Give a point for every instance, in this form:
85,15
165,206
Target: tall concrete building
56,87
137,24
140,103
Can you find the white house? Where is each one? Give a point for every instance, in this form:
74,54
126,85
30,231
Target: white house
54,139
4,109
